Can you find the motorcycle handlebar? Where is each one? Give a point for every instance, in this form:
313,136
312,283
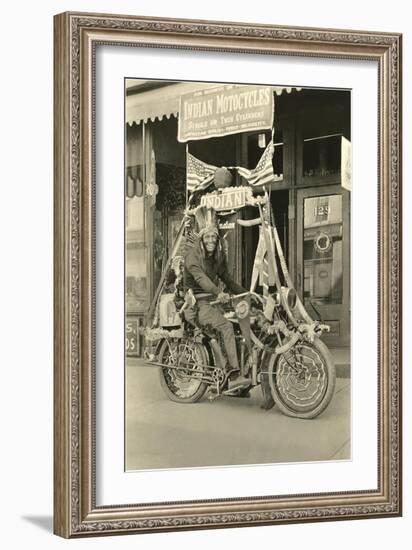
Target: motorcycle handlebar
241,295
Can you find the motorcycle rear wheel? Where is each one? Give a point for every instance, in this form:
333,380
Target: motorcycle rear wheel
302,381
179,384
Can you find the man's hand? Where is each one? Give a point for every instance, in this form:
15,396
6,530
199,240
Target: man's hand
223,297
255,299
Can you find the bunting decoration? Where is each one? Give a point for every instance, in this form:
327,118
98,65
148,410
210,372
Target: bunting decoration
263,270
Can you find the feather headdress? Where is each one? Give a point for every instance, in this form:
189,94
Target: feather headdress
206,220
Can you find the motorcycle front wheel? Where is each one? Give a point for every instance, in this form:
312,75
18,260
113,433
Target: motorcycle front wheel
181,377
302,381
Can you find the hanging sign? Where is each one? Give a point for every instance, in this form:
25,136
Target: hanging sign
224,110
228,199
231,198
152,188
346,164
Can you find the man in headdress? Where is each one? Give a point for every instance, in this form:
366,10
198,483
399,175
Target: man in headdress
205,265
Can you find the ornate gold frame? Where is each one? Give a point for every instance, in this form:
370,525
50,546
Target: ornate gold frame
76,36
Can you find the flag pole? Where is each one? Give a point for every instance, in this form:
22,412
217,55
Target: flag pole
187,192
159,288
269,190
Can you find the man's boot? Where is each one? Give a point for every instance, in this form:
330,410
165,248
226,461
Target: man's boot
238,386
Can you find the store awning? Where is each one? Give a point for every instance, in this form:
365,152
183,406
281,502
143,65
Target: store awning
159,103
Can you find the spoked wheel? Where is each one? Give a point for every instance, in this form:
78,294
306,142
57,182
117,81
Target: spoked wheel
302,381
182,380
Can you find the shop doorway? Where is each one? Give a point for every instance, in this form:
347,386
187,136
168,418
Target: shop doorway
323,258
280,207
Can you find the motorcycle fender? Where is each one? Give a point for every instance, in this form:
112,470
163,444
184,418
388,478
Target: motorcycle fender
266,356
268,401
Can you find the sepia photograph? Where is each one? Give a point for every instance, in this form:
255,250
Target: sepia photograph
227,353
237,289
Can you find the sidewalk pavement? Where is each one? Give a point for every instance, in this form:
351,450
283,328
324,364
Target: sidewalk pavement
341,357
228,431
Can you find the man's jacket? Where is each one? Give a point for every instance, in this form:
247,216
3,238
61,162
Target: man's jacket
202,272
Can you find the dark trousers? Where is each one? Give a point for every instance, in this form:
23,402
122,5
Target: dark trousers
210,315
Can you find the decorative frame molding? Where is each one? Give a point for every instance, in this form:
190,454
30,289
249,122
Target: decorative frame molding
76,36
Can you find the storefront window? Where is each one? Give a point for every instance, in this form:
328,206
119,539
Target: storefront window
136,272
322,251
322,156
256,144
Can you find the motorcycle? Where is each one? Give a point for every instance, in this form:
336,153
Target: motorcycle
279,345
291,364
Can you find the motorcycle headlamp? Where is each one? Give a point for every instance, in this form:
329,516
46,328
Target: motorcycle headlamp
242,309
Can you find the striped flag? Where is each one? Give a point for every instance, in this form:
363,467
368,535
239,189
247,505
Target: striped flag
199,175
263,173
263,268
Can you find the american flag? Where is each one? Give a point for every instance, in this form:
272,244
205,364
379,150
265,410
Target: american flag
199,175
263,173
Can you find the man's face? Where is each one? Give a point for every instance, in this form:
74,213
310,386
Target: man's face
210,241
